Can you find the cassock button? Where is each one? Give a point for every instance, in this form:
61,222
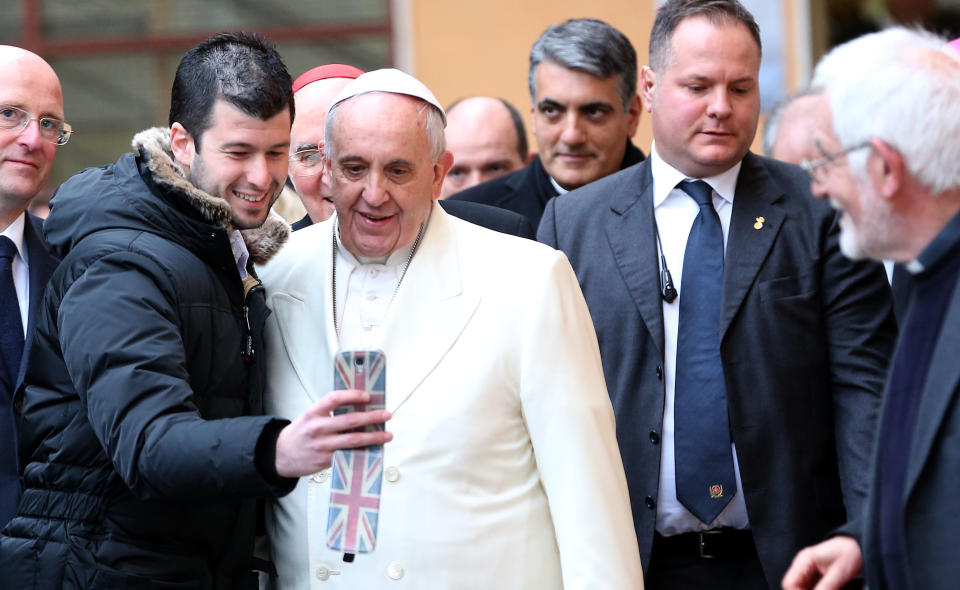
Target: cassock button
324,573
392,474
654,437
659,372
650,502
394,571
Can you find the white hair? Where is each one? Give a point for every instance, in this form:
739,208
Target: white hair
903,87
433,125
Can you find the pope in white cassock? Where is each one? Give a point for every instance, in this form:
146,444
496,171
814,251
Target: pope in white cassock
503,471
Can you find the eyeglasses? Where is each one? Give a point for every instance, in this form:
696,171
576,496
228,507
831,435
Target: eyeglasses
306,161
52,130
815,168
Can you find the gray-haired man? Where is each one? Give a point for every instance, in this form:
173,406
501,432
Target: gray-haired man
583,85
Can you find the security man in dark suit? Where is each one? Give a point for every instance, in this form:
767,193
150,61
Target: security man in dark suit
31,128
583,85
743,352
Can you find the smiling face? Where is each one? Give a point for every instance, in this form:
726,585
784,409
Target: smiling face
383,177
29,83
242,160
705,104
580,124
867,228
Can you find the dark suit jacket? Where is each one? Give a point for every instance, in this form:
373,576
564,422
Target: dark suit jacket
41,266
930,507
500,220
806,336
527,190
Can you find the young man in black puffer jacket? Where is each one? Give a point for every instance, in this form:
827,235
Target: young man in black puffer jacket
143,444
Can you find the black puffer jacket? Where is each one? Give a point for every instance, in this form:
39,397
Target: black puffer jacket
139,424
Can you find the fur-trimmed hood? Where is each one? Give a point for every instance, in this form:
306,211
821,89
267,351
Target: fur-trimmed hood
119,196
154,147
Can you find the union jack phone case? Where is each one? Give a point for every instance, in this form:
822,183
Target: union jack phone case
357,474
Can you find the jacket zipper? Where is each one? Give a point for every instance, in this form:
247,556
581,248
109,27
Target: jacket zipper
248,351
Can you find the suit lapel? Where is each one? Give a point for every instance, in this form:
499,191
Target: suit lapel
520,186
939,390
749,240
431,309
630,232
304,319
42,265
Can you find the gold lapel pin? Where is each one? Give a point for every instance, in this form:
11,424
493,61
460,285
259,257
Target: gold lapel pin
759,223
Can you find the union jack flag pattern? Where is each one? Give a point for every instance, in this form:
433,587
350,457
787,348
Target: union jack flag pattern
357,474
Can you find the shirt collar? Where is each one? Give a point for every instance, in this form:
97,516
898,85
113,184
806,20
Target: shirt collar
14,231
939,249
666,178
240,253
556,186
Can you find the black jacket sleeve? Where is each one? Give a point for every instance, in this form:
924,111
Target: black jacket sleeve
121,341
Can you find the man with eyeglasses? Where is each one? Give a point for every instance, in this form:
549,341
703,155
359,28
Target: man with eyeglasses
744,354
886,125
31,128
313,92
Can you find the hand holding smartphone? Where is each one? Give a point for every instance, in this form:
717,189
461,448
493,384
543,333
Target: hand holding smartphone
364,370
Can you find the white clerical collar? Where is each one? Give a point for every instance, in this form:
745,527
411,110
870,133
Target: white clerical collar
914,267
666,178
560,190
14,231
240,252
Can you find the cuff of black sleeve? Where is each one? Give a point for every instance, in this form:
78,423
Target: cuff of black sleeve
265,456
851,529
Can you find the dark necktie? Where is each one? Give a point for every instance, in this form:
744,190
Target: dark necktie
11,326
704,465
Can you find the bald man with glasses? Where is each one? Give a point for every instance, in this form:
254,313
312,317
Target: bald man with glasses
31,128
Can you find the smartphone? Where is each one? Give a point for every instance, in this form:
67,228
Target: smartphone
364,370
357,474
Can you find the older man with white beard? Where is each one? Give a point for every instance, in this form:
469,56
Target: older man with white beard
887,130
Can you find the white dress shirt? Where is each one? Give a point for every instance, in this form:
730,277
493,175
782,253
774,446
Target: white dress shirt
364,291
240,253
20,267
675,212
556,185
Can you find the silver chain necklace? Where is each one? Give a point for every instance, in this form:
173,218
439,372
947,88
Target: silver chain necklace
336,249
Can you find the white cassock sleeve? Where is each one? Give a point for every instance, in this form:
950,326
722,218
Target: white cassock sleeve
571,424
